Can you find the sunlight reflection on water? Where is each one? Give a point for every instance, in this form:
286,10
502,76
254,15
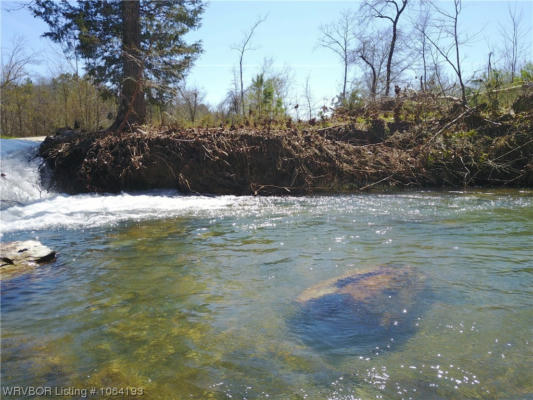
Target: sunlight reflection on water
199,303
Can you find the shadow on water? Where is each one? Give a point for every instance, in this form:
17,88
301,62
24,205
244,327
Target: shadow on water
371,321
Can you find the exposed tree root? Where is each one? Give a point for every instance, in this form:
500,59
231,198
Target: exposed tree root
340,159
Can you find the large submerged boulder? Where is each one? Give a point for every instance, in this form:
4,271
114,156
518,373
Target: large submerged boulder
20,257
362,312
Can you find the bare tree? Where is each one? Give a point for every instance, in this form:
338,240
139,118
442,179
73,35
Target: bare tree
192,98
373,53
512,40
14,63
448,26
338,37
390,10
308,97
421,28
436,78
230,105
242,48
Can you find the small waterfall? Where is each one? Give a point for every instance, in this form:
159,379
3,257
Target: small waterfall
20,182
26,205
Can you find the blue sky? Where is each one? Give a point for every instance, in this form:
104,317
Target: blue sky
289,37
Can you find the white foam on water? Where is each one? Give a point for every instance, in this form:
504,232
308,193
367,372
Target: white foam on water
19,165
26,205
91,210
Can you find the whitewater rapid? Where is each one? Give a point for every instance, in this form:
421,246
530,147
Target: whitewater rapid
28,206
19,164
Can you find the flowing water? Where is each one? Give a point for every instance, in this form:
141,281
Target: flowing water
194,297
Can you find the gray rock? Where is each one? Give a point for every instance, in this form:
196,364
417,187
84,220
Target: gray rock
361,311
20,257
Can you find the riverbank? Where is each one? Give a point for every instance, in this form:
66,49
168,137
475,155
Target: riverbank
462,150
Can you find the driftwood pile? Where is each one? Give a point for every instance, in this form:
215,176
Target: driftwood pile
463,150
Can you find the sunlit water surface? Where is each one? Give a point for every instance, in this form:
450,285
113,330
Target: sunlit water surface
195,297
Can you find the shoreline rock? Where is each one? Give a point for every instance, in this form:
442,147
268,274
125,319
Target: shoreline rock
20,257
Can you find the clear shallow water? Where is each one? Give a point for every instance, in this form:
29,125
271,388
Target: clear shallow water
195,297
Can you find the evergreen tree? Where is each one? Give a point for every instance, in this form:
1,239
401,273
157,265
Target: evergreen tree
135,47
265,96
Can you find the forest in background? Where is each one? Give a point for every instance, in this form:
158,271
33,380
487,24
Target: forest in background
367,38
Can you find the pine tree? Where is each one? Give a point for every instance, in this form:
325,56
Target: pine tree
134,47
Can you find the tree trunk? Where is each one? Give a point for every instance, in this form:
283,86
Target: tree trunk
345,75
242,86
399,11
374,84
96,113
457,56
425,81
373,89
389,59
132,107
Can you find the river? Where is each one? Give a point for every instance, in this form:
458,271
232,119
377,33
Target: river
192,297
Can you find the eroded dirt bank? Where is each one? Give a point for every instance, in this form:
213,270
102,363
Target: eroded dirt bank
295,161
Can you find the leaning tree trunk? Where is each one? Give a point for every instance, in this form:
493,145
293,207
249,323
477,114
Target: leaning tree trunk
132,108
399,11
389,58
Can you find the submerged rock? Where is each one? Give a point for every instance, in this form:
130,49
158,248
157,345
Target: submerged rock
361,312
20,257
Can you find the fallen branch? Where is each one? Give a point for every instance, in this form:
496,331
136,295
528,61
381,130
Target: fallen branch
462,115
516,148
375,183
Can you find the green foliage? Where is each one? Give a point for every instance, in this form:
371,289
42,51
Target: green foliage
92,30
353,102
496,91
494,82
39,108
265,98
527,72
465,134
